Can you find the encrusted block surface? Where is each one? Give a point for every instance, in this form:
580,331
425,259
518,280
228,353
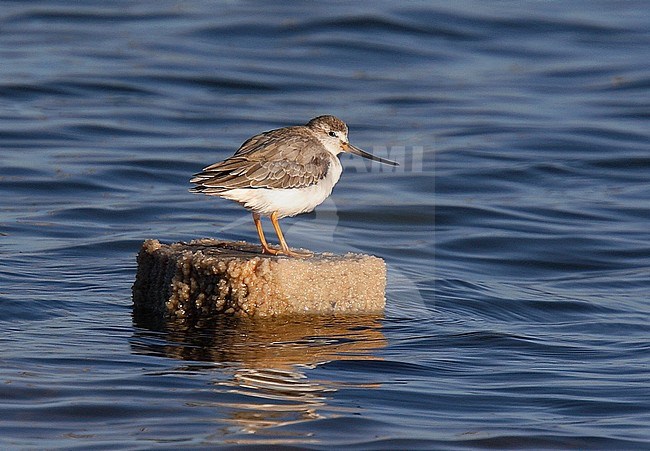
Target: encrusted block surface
206,277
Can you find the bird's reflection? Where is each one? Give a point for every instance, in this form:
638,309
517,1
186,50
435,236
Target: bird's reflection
262,382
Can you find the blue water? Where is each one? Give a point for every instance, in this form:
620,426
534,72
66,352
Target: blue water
515,231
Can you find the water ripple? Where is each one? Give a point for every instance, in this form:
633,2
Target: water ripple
515,231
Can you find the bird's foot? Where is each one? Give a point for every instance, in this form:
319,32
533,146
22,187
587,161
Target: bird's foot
288,252
298,254
270,251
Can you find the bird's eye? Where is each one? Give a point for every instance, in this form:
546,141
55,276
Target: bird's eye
333,134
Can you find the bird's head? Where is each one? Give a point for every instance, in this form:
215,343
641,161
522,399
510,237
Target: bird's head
333,133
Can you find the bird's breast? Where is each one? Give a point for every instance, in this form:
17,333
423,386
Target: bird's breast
288,201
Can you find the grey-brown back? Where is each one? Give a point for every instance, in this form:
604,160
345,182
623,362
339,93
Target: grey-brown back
290,157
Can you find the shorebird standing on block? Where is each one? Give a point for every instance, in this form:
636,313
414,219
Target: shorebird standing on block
282,172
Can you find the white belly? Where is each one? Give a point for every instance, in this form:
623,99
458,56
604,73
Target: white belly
287,202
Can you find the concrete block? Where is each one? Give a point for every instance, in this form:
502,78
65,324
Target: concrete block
206,277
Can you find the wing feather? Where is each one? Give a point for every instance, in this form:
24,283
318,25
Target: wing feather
282,158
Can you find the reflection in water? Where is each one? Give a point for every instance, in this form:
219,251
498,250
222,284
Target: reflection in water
266,386
271,399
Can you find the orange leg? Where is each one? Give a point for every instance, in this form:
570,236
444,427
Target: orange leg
266,249
283,243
